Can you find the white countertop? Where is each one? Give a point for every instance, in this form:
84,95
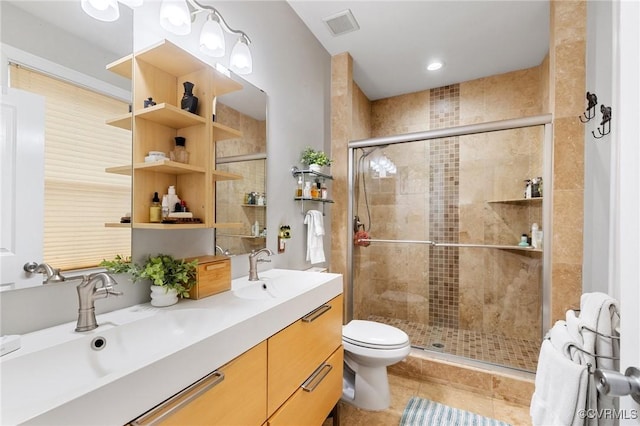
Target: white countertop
234,326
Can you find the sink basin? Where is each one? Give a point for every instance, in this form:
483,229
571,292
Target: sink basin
273,284
73,366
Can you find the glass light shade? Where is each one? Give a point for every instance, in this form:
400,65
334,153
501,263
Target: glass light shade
175,17
241,61
212,38
102,10
132,3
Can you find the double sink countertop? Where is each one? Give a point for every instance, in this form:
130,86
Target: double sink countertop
148,354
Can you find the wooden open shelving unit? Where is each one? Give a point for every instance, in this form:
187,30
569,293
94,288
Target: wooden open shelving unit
159,72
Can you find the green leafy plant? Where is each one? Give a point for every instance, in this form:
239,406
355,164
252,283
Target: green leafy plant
166,271
162,270
119,265
311,156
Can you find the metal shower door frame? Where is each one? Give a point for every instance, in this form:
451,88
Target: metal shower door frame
492,126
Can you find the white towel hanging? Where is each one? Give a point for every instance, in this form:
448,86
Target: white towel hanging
315,233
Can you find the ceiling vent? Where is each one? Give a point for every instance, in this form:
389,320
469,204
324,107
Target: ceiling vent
341,23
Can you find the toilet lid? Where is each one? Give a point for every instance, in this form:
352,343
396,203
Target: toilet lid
374,335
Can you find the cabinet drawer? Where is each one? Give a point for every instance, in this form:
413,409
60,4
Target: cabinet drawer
213,276
235,394
313,401
296,351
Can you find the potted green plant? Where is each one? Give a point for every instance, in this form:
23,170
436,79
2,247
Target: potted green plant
315,159
170,277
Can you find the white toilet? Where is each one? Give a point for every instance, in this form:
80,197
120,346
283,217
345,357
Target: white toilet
369,347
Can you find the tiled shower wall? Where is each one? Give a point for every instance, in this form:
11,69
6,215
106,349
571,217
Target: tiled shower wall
444,220
440,193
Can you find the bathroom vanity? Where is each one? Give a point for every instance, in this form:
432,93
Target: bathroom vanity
265,352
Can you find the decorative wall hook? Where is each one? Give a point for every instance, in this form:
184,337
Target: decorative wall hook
590,112
605,123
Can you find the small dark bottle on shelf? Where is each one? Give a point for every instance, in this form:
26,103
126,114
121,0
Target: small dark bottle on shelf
189,101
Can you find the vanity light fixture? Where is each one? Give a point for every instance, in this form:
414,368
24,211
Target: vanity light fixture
241,61
102,10
176,16
211,37
435,65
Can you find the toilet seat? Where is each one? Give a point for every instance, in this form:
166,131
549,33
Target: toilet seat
374,335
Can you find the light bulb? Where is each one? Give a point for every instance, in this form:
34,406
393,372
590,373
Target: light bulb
241,61
102,10
435,65
132,3
175,17
212,38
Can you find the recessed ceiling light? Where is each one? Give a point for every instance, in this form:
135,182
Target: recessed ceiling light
435,65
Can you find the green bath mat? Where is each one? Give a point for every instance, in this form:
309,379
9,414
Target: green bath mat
422,412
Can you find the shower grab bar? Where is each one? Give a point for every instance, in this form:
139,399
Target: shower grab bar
462,245
369,240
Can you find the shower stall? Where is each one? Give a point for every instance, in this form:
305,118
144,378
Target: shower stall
437,221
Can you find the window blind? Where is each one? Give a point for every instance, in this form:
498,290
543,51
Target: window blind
80,197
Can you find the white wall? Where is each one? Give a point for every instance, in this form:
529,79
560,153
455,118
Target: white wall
626,193
597,152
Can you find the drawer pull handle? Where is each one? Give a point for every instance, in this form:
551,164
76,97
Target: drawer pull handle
181,399
214,266
316,313
317,377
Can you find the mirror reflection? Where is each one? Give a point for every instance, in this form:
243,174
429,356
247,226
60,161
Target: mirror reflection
242,202
54,50
59,40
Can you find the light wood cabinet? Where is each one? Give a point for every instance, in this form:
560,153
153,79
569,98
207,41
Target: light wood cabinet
159,72
292,378
235,394
297,351
314,399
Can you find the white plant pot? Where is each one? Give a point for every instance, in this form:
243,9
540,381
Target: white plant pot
315,168
162,296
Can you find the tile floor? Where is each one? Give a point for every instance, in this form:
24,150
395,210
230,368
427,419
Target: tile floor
402,389
500,350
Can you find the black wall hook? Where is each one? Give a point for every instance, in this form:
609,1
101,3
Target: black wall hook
605,123
590,112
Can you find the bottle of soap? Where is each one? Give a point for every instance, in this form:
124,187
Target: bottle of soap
306,192
299,187
534,235
172,198
165,206
155,211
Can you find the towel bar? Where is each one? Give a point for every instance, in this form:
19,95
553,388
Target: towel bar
578,348
606,336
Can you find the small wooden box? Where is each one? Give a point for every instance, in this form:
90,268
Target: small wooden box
213,276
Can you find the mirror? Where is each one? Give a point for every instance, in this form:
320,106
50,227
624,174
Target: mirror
242,202
61,51
60,32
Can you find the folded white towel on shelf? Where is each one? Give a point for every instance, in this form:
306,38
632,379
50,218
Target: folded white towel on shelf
560,389
315,232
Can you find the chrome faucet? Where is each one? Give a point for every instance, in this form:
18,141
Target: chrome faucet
253,262
52,274
223,251
88,293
